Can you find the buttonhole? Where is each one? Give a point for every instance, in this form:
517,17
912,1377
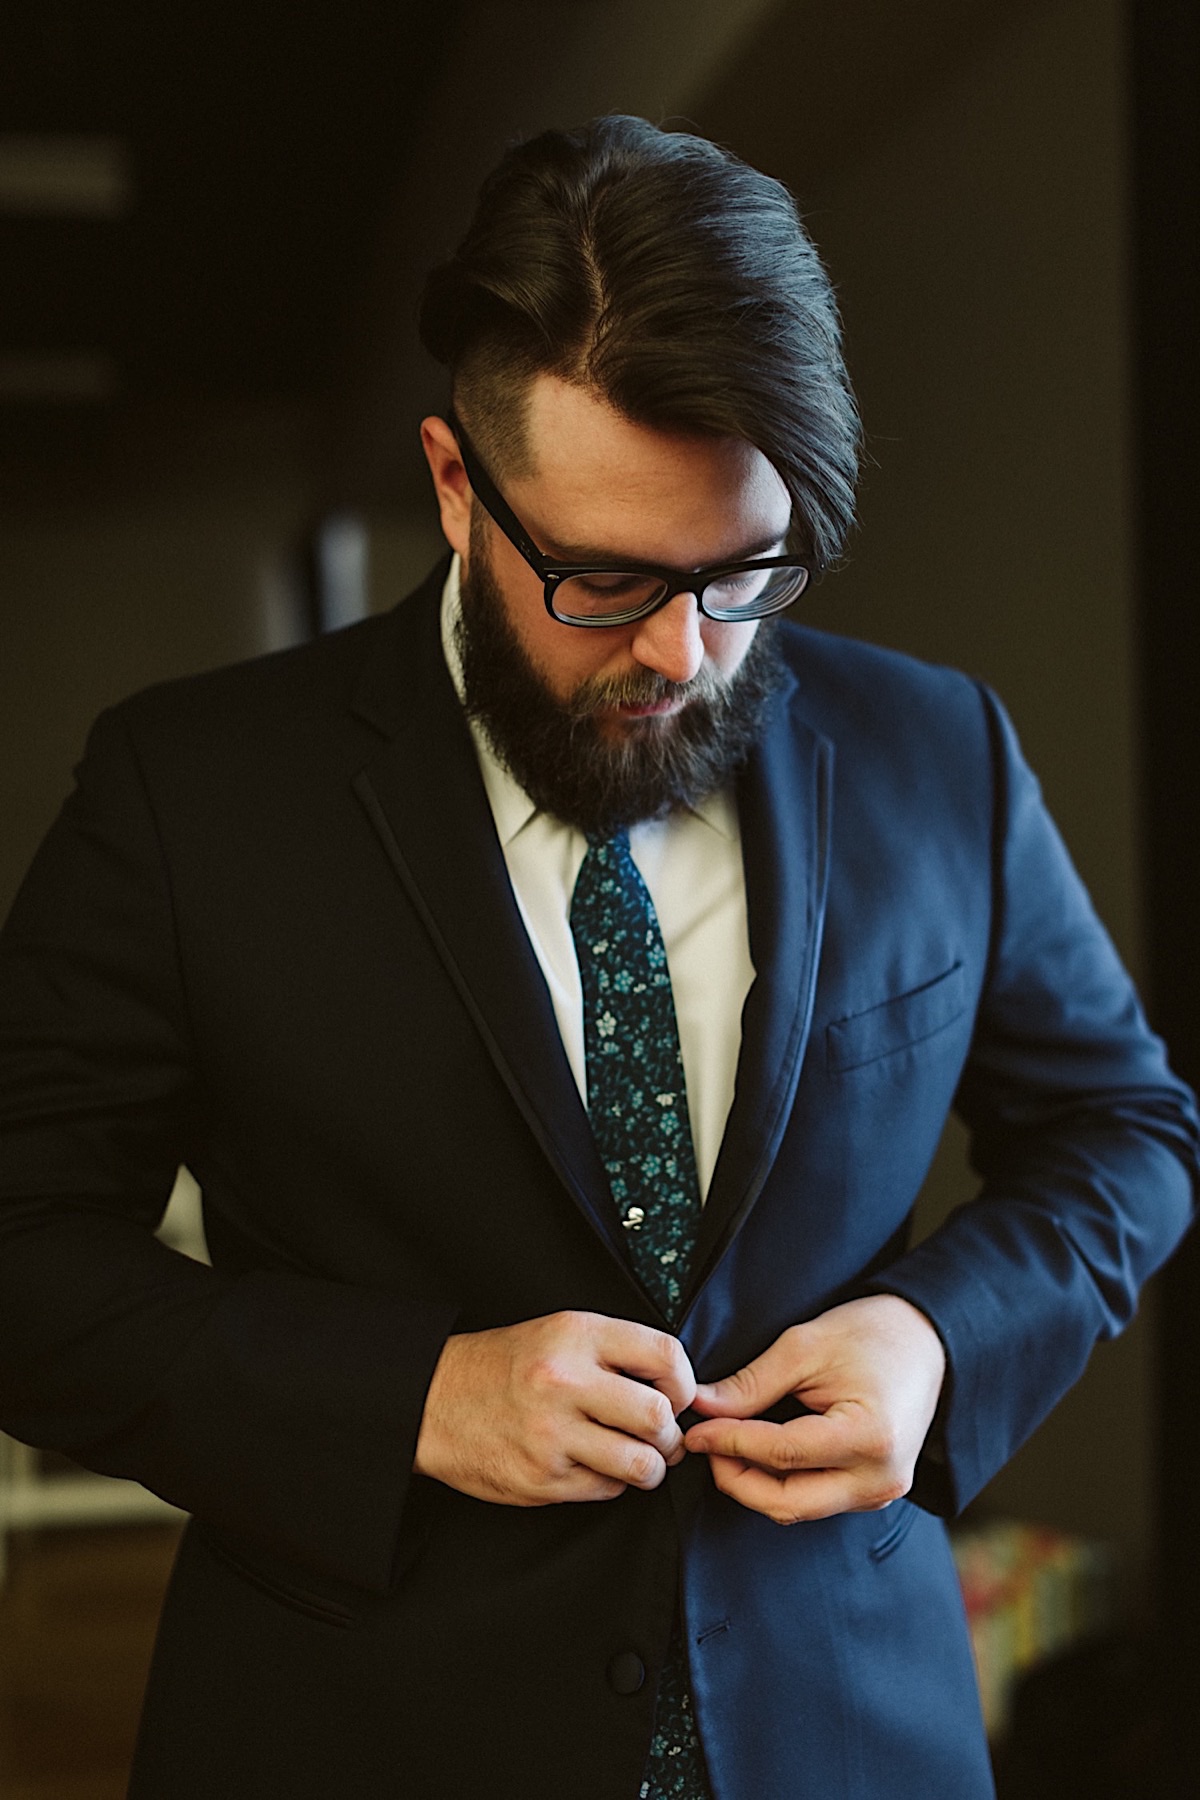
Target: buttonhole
712,1631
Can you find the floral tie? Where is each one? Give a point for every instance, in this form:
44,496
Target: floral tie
637,1102
636,1096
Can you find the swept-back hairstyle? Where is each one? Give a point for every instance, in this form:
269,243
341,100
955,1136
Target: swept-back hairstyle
670,279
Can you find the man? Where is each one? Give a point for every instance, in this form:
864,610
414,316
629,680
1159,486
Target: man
558,988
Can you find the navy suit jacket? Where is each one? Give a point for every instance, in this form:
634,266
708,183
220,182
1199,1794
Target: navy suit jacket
272,936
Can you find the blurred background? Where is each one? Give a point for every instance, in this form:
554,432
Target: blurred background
214,224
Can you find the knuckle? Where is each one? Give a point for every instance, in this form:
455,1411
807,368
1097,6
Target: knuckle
548,1373
530,1483
565,1327
879,1444
673,1355
538,1457
878,1494
659,1415
645,1466
783,1509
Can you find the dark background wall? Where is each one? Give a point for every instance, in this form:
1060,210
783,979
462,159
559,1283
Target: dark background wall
236,317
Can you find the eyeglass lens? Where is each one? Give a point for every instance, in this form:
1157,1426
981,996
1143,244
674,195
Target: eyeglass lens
744,593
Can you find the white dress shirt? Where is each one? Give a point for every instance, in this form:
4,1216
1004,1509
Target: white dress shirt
691,863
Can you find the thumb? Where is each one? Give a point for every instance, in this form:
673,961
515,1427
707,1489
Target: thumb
757,1385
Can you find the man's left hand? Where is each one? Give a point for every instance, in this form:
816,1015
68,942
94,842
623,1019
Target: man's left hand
871,1372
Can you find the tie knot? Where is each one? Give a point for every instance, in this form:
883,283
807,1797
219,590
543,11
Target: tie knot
616,841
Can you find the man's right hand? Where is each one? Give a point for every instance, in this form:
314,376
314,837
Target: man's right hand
555,1409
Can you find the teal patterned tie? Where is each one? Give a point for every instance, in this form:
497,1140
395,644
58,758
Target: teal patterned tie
637,1102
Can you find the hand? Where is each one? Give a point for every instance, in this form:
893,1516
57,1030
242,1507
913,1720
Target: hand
555,1409
871,1371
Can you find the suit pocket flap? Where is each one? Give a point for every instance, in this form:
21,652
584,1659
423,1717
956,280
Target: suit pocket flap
895,1024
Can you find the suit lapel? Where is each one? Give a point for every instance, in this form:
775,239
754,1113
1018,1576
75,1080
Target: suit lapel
424,796
784,800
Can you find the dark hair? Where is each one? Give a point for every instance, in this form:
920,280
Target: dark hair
673,280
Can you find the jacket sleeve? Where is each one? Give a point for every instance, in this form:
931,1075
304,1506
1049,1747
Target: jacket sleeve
1085,1143
277,1406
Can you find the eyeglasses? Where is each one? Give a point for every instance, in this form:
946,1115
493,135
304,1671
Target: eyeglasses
621,593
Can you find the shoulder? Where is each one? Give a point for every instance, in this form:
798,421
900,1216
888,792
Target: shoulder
904,729
844,684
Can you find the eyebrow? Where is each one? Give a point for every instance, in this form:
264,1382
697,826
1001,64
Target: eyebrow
589,556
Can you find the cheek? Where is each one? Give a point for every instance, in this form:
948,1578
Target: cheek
727,645
562,657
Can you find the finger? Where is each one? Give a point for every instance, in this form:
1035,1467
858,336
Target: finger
794,1498
815,1442
780,1370
651,1355
580,1484
624,1459
638,1411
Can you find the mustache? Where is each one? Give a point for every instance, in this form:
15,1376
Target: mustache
642,687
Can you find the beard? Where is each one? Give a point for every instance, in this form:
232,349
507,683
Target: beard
558,751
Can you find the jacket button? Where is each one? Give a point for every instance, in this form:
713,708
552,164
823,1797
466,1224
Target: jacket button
626,1672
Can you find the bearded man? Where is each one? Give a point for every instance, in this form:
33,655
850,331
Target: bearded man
558,988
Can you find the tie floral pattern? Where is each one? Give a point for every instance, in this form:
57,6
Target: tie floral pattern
637,1102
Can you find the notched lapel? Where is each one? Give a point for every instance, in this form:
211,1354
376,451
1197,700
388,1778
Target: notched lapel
784,806
424,796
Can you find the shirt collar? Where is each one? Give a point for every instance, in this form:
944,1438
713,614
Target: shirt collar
512,809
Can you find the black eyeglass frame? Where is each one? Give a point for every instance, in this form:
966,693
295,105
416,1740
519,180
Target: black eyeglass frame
675,581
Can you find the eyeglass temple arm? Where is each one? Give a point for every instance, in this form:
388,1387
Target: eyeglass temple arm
493,501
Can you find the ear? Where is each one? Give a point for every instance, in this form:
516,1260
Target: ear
450,483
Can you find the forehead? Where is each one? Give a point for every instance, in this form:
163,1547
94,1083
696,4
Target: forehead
598,481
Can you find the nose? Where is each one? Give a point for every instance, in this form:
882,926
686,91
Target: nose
669,641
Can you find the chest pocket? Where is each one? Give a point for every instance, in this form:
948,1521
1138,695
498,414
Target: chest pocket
896,1024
